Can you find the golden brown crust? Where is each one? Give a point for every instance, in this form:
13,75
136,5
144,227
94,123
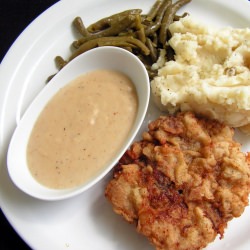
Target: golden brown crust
182,182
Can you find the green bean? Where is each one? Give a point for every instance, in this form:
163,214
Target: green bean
60,62
76,44
154,38
156,25
168,19
142,34
129,32
80,26
178,17
140,29
154,10
50,77
108,21
113,30
112,41
153,51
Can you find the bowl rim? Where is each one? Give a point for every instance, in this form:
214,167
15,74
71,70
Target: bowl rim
60,194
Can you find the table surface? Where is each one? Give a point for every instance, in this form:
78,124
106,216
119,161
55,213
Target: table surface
23,12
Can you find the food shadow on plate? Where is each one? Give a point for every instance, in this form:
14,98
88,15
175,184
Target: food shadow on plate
112,226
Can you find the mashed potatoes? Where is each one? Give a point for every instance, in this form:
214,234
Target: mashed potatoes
210,74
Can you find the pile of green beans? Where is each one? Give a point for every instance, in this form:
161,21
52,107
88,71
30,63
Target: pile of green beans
142,34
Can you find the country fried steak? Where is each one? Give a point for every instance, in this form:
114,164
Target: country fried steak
182,183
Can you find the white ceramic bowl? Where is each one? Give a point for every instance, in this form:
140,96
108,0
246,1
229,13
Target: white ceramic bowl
100,58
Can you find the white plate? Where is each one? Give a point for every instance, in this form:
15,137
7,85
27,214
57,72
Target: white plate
86,221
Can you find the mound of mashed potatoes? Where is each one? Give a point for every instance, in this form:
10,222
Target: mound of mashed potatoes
210,74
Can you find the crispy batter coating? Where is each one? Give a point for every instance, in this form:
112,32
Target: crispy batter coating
182,182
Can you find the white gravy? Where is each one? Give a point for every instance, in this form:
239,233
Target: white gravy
81,129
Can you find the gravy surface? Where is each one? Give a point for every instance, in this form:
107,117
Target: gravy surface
81,129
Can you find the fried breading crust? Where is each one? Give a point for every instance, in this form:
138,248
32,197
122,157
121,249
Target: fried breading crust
182,182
